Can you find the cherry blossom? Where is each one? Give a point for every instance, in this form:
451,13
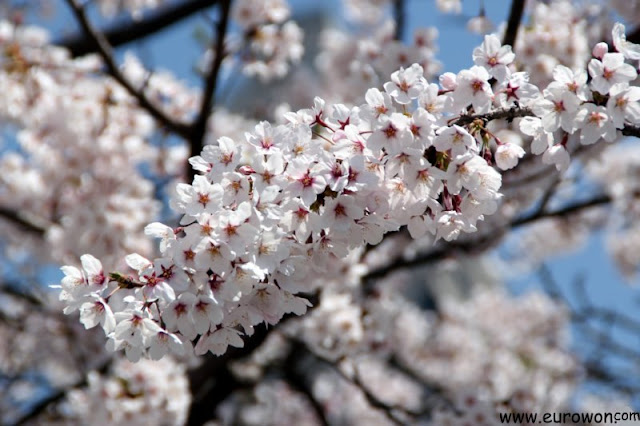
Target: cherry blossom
610,71
494,57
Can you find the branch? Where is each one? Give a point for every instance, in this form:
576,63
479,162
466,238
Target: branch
126,32
606,345
508,113
213,381
23,223
106,52
26,294
388,411
564,212
58,395
297,381
447,250
513,23
199,127
399,15
631,131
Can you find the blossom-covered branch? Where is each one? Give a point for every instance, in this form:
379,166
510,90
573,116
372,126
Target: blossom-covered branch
105,51
286,198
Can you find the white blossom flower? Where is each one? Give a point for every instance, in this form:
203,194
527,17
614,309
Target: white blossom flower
596,124
623,105
473,88
532,126
97,311
628,49
341,212
456,139
378,103
494,57
305,182
406,85
164,343
558,108
450,224
610,71
218,340
573,80
199,197
392,133
516,90
558,156
507,155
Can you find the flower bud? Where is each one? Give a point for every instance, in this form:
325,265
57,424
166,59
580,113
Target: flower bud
600,49
448,81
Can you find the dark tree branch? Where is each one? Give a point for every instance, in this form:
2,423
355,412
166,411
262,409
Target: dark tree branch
449,249
601,200
106,52
213,381
19,220
129,31
22,292
199,128
399,16
513,23
297,380
504,113
390,412
57,396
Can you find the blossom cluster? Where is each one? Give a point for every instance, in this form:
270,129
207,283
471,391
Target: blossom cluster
273,210
132,394
270,41
79,142
351,64
586,106
486,366
485,354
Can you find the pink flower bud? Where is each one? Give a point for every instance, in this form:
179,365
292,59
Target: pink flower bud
246,170
448,81
600,49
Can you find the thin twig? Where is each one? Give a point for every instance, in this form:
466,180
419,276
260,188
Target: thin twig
449,249
503,113
388,411
199,127
582,317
